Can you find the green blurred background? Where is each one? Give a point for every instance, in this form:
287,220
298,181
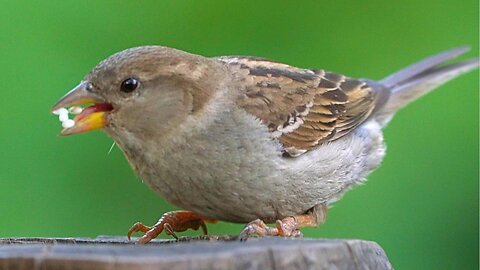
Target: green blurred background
421,205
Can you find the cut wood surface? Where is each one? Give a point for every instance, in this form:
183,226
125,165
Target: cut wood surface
214,252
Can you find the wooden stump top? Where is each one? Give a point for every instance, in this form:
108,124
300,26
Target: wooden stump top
223,252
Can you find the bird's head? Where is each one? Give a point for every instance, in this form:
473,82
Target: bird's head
141,90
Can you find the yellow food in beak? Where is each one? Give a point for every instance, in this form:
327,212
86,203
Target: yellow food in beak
90,118
88,123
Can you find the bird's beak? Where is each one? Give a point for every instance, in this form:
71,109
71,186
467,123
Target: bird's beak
92,117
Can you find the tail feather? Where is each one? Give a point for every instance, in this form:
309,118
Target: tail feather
418,79
424,65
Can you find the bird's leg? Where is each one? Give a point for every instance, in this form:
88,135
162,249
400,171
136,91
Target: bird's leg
288,226
171,222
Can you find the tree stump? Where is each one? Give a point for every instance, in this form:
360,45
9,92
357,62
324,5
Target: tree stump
212,252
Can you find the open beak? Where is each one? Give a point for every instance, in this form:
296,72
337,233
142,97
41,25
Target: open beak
92,117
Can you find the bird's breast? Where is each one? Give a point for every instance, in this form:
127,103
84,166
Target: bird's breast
233,170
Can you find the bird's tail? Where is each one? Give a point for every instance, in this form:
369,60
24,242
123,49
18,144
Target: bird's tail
420,78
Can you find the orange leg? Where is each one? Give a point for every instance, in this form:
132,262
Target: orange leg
288,226
171,222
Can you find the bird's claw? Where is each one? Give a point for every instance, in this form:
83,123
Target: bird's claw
287,227
139,227
171,222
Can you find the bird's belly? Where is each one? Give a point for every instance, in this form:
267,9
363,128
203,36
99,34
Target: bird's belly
223,180
256,182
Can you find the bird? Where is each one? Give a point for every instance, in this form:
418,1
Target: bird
245,139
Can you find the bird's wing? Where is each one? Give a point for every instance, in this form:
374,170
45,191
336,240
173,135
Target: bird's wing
302,108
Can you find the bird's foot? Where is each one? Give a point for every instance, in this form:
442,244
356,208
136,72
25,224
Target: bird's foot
171,222
287,227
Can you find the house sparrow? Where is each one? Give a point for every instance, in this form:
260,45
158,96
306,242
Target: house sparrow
245,139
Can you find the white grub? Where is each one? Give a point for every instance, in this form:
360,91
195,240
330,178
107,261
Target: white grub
60,111
63,117
75,110
68,124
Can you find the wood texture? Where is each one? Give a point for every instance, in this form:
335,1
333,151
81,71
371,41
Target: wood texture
223,252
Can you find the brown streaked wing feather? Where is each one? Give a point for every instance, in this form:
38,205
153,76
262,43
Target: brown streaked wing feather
302,108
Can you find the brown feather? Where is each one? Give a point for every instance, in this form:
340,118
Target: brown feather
305,107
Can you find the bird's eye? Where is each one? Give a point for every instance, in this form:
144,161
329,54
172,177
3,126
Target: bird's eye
129,85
